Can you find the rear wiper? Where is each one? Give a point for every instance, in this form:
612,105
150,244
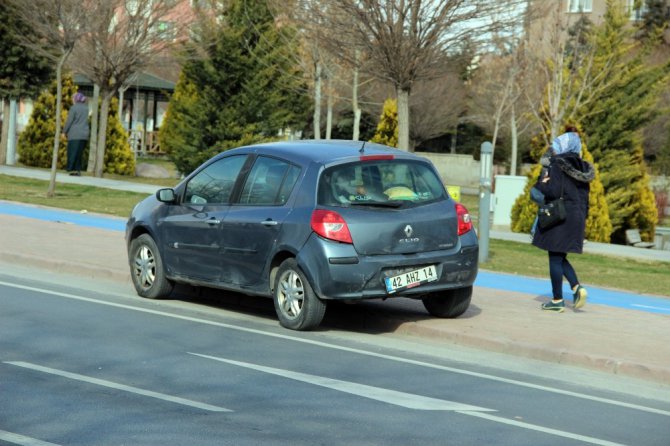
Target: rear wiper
381,204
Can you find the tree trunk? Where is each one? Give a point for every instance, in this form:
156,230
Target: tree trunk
454,140
93,141
11,132
354,103
5,130
102,134
494,138
317,102
403,119
329,115
515,143
59,106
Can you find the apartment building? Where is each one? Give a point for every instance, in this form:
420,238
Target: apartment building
595,9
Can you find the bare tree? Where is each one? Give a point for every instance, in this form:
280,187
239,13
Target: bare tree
309,15
497,93
436,106
58,25
125,37
405,38
570,72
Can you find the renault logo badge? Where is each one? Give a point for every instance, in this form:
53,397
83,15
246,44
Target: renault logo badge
408,231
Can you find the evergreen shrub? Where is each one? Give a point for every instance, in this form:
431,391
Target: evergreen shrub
387,129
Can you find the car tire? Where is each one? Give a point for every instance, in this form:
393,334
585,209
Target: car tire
146,269
296,304
448,304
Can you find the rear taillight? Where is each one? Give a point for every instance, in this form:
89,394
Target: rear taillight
330,225
464,220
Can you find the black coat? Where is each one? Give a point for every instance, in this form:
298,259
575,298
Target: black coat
573,174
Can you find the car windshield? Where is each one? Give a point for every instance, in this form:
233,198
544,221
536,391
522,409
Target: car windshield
384,183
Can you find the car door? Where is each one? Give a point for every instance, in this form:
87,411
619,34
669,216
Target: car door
191,229
253,224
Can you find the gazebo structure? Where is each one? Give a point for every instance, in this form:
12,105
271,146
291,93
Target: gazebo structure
145,99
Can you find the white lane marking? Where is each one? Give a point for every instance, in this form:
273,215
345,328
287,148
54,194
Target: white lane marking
352,350
546,430
113,385
650,307
407,400
13,438
402,399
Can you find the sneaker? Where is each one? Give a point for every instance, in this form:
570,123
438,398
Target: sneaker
579,297
558,307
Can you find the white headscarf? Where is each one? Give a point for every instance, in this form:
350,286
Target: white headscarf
566,143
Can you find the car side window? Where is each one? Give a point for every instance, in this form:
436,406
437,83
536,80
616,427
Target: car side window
214,184
270,181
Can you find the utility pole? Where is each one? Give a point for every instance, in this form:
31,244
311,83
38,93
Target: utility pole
486,168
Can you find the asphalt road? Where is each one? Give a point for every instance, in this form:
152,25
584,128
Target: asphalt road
83,366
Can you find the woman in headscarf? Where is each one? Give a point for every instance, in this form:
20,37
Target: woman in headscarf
76,130
567,175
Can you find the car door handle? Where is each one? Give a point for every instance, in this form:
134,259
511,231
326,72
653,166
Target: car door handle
269,223
213,221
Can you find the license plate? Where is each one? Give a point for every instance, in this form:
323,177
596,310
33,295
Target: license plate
410,279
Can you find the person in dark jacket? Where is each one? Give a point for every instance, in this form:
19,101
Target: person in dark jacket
76,130
568,175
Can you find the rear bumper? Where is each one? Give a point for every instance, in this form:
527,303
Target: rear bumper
337,272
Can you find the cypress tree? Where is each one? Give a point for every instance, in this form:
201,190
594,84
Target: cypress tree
387,129
615,139
23,73
629,195
119,158
36,142
245,89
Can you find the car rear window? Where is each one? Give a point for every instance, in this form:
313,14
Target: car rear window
380,182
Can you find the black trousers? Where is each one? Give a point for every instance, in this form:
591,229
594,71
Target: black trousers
75,149
559,267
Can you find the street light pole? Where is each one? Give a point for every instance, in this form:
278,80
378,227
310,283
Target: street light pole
486,167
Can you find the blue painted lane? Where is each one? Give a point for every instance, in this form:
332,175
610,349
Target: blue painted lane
601,296
485,279
63,216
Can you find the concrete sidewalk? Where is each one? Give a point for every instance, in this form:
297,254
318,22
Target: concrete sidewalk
501,318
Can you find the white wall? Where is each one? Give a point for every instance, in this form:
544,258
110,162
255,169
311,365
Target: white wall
455,170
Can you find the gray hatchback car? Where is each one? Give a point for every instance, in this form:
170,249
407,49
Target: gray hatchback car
308,222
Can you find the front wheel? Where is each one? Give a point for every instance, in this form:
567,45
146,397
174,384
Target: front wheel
146,269
448,304
297,307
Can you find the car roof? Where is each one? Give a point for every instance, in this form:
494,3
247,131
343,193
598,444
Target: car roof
324,151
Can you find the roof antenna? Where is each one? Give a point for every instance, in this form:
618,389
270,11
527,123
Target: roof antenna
362,148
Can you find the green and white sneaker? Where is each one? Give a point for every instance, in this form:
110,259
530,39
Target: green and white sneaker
558,307
579,297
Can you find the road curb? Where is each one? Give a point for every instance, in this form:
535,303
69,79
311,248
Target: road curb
68,267
544,353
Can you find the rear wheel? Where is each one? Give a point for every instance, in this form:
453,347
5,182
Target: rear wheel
297,307
448,304
146,269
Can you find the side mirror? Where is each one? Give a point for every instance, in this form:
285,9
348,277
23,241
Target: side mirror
166,195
